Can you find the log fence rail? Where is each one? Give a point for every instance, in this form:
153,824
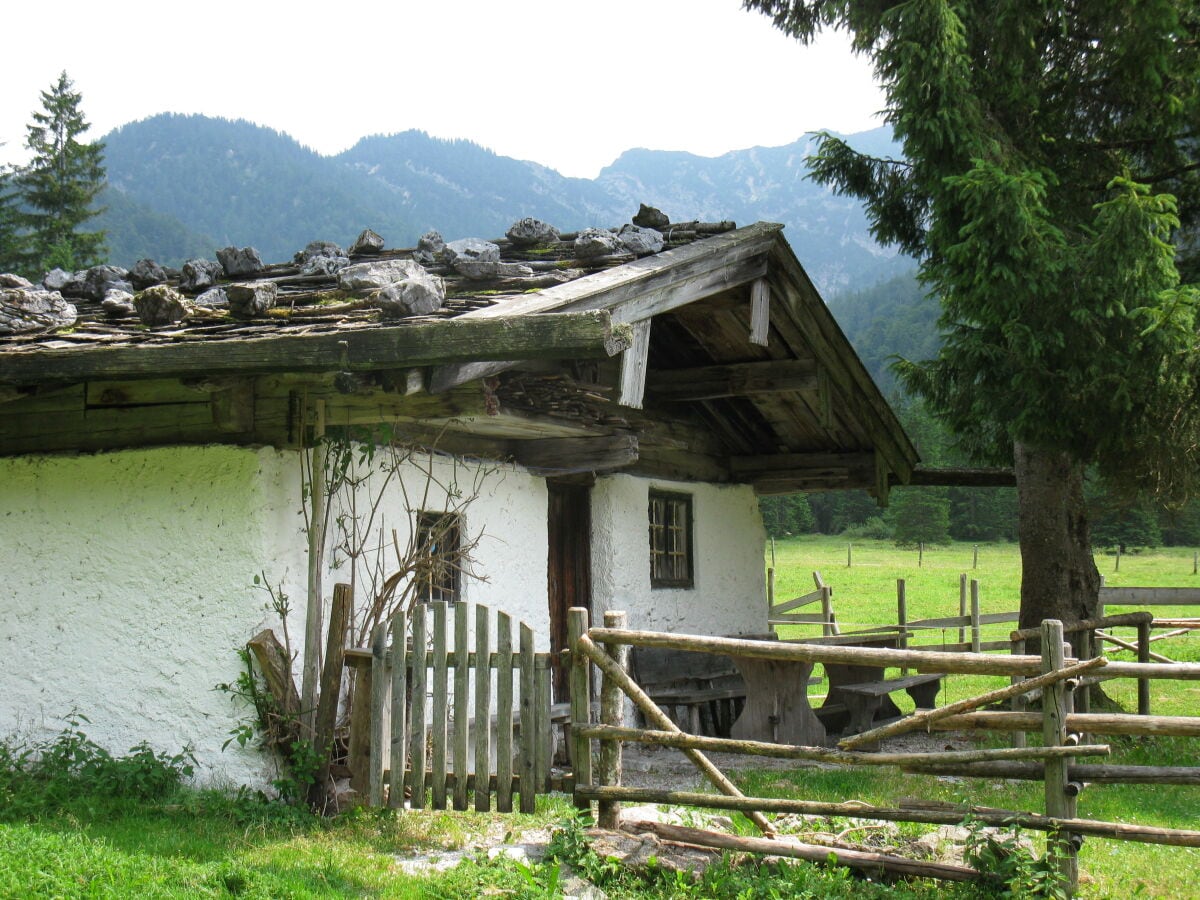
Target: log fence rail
1055,673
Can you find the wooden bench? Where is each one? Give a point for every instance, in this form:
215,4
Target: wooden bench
703,693
863,700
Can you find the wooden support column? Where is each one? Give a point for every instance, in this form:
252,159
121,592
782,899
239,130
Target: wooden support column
634,363
612,712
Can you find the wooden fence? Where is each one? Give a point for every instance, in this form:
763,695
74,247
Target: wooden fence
440,726
1055,675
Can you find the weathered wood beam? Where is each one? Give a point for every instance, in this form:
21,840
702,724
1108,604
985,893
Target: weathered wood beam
798,464
638,290
568,456
760,312
634,363
733,380
555,336
959,476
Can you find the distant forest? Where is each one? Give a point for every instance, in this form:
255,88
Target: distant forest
897,319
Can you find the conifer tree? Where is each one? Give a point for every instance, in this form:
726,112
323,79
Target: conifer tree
1051,157
10,233
58,188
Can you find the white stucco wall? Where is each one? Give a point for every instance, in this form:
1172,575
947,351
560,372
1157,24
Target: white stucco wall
126,589
728,596
128,578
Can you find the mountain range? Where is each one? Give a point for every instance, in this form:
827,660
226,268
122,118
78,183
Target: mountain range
184,185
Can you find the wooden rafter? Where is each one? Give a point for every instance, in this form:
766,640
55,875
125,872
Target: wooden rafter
733,380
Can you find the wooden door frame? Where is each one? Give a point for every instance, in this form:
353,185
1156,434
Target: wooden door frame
568,562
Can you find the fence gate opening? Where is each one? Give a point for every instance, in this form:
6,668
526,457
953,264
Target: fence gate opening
459,709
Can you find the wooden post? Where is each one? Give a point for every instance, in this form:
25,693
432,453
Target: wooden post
331,690
849,555
379,712
920,553
612,712
1017,648
581,700
398,732
975,636
826,611
962,605
975,557
772,553
1117,566
1059,847
315,608
902,617
545,738
770,589
1143,687
1195,562
483,709
462,701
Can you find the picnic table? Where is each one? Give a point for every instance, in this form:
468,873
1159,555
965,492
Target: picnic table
777,707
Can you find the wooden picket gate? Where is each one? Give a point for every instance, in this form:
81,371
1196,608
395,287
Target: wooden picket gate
433,716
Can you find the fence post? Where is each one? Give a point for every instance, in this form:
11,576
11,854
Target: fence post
462,707
1017,648
902,617
849,555
1143,644
975,641
1060,848
920,553
975,557
612,712
826,611
398,727
581,700
770,589
962,606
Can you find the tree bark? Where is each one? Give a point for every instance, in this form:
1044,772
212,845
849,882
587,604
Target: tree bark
1059,578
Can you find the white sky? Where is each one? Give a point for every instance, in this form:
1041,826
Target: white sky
566,83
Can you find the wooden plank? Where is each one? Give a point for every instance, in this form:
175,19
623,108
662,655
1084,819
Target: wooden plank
543,694
483,708
531,733
398,733
796,603
748,468
380,694
1055,710
419,663
331,691
1149,596
564,456
760,312
439,718
634,363
504,712
462,672
567,335
732,380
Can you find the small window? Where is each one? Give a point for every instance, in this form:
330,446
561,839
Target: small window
670,540
437,574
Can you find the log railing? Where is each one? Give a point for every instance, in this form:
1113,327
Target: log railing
1054,673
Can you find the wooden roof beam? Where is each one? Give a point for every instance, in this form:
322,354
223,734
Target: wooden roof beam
569,456
733,380
567,335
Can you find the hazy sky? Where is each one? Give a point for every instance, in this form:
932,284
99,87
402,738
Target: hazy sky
566,83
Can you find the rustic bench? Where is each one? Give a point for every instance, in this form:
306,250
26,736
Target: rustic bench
863,700
703,693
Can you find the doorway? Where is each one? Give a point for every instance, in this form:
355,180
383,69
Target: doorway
569,565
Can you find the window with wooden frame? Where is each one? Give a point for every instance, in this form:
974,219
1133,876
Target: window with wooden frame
439,539
671,564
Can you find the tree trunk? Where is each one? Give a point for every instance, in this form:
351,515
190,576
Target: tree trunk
1059,579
